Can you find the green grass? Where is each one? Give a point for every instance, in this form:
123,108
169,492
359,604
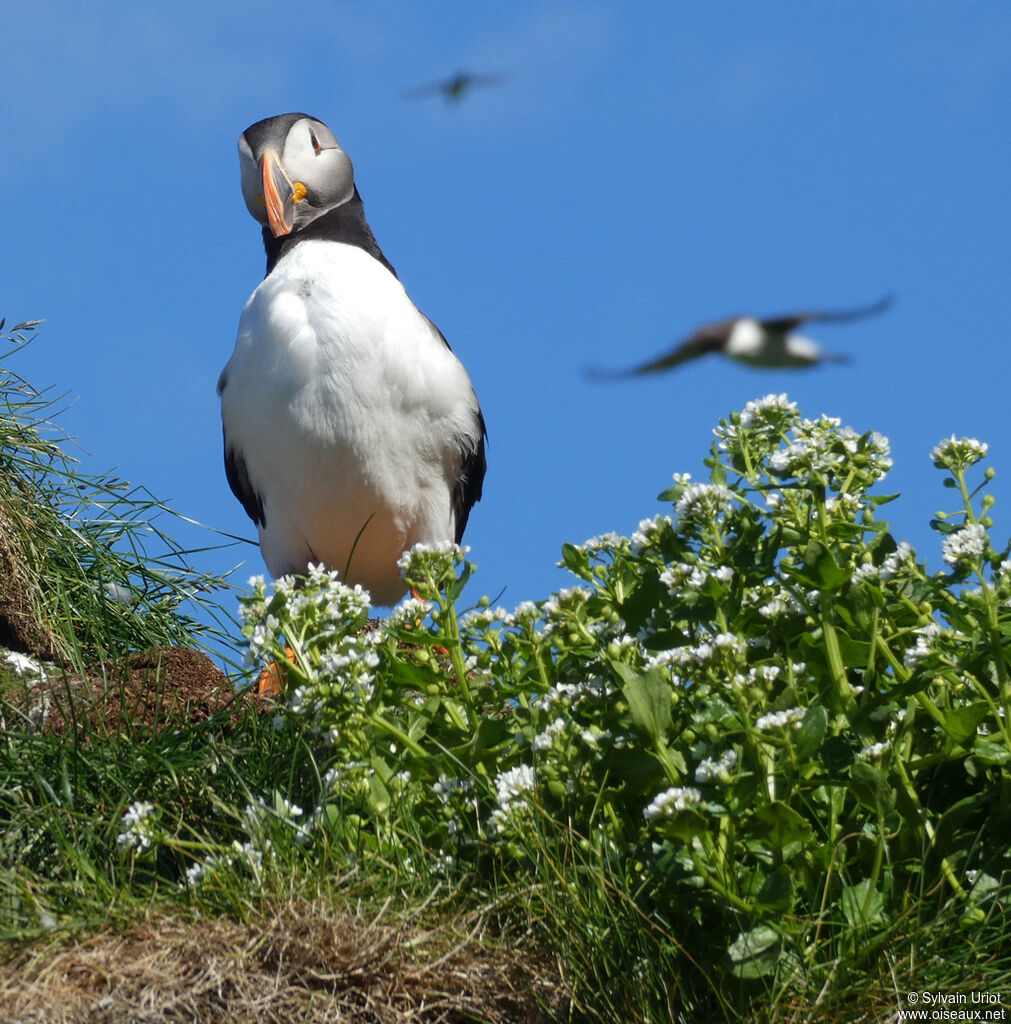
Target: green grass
754,765
97,554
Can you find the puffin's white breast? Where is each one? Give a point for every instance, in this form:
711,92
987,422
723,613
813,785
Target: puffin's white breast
348,409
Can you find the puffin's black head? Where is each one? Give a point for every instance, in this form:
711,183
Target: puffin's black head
293,170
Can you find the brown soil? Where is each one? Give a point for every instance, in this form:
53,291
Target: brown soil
163,687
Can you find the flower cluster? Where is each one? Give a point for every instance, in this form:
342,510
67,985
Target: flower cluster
716,689
716,768
676,798
428,568
790,718
969,542
139,827
958,454
513,788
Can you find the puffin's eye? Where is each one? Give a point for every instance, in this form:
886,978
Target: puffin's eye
315,142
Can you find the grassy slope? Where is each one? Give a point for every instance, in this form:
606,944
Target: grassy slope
830,895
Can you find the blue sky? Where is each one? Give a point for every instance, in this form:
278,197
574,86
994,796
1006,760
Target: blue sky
641,169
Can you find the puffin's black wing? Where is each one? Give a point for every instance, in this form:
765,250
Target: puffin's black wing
473,464
791,321
238,480
710,338
469,484
238,475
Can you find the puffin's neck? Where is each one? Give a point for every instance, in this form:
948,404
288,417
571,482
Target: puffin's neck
345,223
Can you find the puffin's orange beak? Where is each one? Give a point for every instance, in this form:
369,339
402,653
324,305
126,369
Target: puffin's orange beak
278,194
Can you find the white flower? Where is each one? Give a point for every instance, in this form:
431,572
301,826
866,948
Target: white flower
410,610
512,784
567,597
511,788
606,544
480,619
286,809
729,642
543,741
524,614
683,576
647,533
780,719
709,769
875,749
571,693
194,875
767,410
704,501
782,461
925,637
969,542
445,788
958,453
422,556
677,798
138,830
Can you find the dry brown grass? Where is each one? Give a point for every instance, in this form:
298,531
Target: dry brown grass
303,962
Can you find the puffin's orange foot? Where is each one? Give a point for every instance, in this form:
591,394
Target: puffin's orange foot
270,682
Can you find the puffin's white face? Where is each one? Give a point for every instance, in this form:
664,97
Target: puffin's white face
293,170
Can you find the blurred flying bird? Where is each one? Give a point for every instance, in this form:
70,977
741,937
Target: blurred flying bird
453,88
763,343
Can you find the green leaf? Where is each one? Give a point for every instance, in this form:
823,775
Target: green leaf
809,737
684,825
419,719
755,953
781,825
379,795
576,561
960,723
862,904
871,788
822,567
777,890
649,699
986,752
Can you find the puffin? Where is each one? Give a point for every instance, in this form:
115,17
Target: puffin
766,343
351,430
455,87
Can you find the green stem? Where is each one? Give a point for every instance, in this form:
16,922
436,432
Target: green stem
928,827
719,888
993,622
903,675
451,632
400,736
842,691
